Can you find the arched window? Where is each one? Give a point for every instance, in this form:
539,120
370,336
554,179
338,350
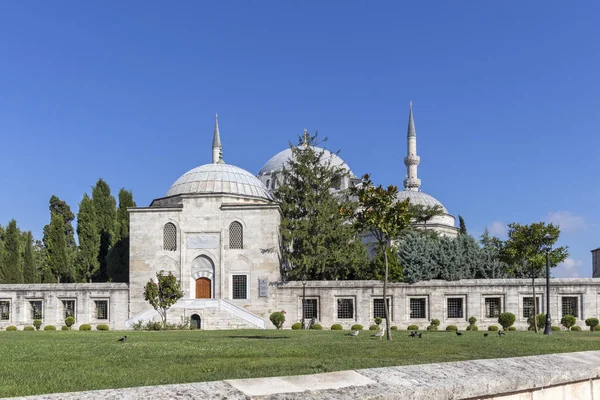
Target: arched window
170,237
236,236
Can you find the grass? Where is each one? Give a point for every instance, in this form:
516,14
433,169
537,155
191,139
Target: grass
47,362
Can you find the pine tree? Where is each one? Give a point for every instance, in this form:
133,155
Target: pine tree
89,240
29,267
12,267
118,255
463,227
105,207
56,244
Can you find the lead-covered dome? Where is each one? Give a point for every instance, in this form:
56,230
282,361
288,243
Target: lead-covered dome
281,159
420,198
219,178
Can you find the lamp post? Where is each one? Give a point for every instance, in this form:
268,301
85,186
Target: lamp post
303,299
548,327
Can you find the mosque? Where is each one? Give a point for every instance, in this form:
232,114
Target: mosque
217,230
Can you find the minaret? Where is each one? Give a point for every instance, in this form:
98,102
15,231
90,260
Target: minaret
217,149
411,160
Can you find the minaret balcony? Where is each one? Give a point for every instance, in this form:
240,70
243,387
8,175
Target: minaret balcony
412,160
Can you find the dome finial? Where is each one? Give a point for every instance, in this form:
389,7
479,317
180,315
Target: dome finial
305,143
216,145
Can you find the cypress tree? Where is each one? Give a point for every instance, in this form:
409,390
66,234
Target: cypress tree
58,258
12,267
463,227
1,254
60,207
29,267
105,207
118,256
89,240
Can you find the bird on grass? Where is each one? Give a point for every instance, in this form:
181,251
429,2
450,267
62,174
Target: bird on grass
500,333
123,339
413,334
458,333
485,335
353,333
420,335
379,334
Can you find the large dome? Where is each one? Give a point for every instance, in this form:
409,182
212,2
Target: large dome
219,178
281,159
421,198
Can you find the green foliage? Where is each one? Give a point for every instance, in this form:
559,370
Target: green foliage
412,328
105,207
463,227
374,327
297,326
29,267
65,328
69,321
56,245
592,323
597,328
153,326
377,265
37,323
507,320
568,321
337,327
316,327
556,328
29,328
435,322
102,327
11,267
472,320
451,328
540,319
164,294
378,320
512,328
472,328
118,255
49,328
492,328
85,327
277,318
432,327
394,328
11,328
576,328
88,263
357,327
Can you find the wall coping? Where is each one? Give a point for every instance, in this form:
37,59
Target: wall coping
64,286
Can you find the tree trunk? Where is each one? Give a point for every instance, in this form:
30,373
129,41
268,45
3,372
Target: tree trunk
535,327
388,327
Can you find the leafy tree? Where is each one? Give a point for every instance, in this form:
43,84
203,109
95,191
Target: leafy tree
164,294
568,321
423,214
416,252
592,323
316,239
118,255
12,269
463,227
377,269
383,216
60,207
89,240
524,251
56,244
29,266
105,207
507,320
40,259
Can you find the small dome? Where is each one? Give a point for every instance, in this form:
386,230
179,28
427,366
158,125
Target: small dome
421,198
281,159
219,178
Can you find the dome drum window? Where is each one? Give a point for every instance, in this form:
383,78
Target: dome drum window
170,237
236,236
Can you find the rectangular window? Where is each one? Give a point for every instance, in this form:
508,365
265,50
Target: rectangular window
417,308
528,306
455,307
493,307
569,306
310,309
5,310
345,308
68,308
101,309
379,309
36,310
239,287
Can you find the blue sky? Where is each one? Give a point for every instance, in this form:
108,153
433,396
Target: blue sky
505,100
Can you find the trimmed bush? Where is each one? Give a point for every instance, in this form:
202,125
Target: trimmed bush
29,328
540,319
69,321
507,320
576,328
451,328
65,328
394,327
412,328
49,328
472,320
357,327
592,323
37,323
11,328
492,328
337,327
597,328
374,327
568,321
378,320
102,327
432,327
556,328
297,326
85,327
512,328
472,328
316,327
435,322
278,318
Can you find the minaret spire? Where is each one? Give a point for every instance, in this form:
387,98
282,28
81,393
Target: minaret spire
411,160
217,149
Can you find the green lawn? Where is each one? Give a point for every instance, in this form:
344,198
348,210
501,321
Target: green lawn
45,362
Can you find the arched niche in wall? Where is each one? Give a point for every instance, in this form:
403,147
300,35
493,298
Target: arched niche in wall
202,267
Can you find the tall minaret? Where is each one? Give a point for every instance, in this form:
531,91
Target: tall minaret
217,149
412,159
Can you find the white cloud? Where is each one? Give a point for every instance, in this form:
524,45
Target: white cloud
567,221
568,269
498,229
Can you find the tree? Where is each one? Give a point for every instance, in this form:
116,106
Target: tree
105,207
316,239
89,240
383,216
423,214
164,294
60,207
29,267
118,255
11,265
463,227
56,244
525,251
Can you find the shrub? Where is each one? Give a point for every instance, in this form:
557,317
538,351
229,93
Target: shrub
568,321
472,328
374,327
576,328
69,321
378,320
556,328
540,319
102,327
412,328
29,328
435,322
336,327
49,328
357,327
11,328
432,327
316,327
65,328
597,328
592,323
153,326
297,326
492,328
472,320
37,323
512,328
394,327
506,319
451,328
85,327
278,318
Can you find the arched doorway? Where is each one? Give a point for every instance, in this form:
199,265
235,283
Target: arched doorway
195,321
203,288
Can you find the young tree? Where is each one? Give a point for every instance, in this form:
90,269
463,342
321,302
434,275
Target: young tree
423,214
118,255
105,207
316,238
89,240
383,216
164,294
525,251
463,227
12,267
29,267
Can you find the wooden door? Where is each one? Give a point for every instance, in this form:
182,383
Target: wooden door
203,288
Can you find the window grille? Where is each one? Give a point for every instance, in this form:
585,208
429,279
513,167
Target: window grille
417,308
569,306
170,237
36,310
528,306
236,236
455,307
101,309
4,310
310,309
379,309
493,307
345,308
239,286
68,308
